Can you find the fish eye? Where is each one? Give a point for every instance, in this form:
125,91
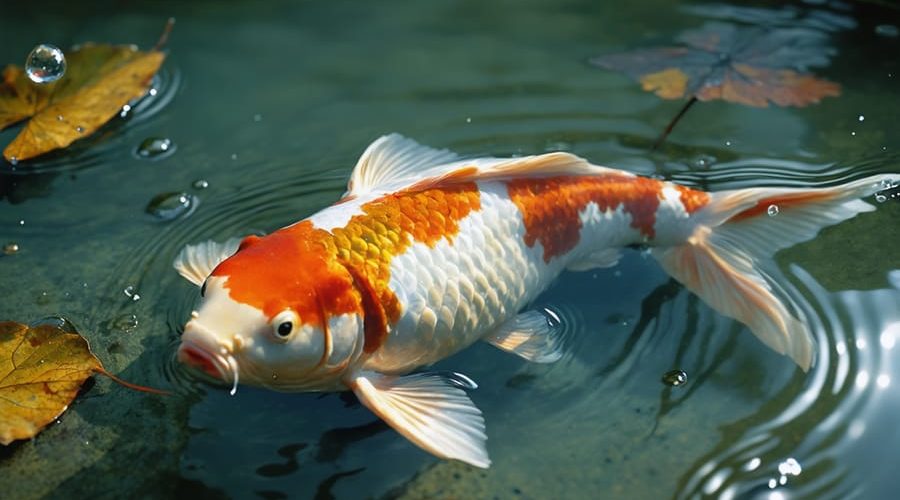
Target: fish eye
284,324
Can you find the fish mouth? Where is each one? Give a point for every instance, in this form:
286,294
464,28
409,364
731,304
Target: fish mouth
219,366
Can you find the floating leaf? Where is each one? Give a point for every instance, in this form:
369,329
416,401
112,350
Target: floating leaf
41,370
99,80
747,65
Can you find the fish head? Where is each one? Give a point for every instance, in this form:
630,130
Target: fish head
279,313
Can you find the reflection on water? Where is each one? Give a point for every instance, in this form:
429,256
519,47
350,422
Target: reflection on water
600,421
821,424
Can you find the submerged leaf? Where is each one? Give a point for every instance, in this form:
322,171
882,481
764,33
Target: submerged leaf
747,65
100,79
41,370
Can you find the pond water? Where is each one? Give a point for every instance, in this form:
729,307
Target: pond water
266,106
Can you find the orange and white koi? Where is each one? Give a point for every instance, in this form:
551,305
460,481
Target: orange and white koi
428,253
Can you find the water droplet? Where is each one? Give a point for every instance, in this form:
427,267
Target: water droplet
704,161
790,467
880,198
257,117
155,147
675,378
56,322
127,322
131,293
45,64
772,210
170,206
862,118
200,184
887,30
10,248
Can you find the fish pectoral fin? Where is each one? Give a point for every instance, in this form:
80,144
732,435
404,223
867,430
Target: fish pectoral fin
196,262
433,413
607,257
529,335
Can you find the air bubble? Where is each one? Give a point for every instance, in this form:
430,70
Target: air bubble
125,110
13,160
46,63
862,118
200,184
171,206
675,378
11,248
155,147
772,210
880,198
79,129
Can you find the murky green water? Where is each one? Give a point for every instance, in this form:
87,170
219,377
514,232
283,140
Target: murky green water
270,104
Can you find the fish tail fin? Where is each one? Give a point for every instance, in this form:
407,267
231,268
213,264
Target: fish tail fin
736,235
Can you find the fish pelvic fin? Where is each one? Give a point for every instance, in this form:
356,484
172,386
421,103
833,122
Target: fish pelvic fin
432,412
530,336
723,261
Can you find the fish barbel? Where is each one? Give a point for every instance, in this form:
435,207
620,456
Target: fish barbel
428,253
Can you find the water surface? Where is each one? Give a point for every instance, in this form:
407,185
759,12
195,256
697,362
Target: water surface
270,104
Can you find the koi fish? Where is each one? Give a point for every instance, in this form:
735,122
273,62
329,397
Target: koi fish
428,253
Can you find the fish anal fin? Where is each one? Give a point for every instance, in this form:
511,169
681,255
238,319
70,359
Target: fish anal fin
433,413
528,335
196,262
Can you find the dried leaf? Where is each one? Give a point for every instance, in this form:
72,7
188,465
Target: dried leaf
41,370
747,65
99,80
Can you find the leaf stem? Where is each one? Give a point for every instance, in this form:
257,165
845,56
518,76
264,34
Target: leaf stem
170,23
129,385
673,122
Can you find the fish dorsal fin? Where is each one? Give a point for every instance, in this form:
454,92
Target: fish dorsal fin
196,262
394,162
391,159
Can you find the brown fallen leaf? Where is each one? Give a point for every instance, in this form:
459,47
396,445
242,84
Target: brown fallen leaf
754,66
99,80
41,370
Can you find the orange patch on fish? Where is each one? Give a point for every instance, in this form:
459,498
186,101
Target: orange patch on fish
782,202
391,224
320,274
692,199
550,206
